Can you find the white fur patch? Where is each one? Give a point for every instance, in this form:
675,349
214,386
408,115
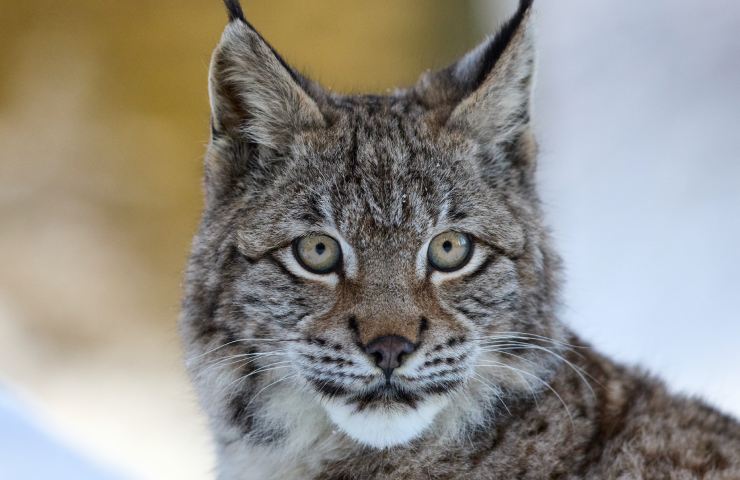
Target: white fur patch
479,256
384,428
289,261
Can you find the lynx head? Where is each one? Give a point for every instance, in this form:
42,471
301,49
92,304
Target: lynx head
380,256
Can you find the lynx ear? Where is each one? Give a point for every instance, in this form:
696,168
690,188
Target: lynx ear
255,95
488,91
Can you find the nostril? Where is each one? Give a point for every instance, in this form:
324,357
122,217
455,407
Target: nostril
352,324
378,357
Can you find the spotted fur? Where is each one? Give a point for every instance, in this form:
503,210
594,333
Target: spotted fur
496,387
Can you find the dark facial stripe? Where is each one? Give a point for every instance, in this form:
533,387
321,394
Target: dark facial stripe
328,388
245,415
442,387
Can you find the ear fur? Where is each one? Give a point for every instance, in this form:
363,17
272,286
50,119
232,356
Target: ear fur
488,91
255,96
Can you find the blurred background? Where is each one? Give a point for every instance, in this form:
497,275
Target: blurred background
103,123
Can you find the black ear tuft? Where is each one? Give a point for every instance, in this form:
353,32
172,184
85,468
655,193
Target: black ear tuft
235,10
488,92
502,39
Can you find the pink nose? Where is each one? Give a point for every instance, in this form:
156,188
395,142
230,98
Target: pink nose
388,352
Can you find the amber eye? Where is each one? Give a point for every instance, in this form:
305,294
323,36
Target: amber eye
450,251
319,254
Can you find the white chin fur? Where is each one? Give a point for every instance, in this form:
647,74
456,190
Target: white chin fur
384,427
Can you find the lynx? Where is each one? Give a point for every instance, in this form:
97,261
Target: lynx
372,293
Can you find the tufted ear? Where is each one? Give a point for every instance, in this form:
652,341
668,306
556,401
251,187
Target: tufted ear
255,96
488,92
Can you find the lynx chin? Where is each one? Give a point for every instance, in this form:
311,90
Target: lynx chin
372,293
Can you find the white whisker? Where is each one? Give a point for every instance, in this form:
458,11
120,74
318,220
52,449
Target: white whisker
241,360
267,368
547,385
270,385
245,340
529,346
493,390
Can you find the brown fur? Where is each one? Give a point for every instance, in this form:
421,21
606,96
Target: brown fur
496,386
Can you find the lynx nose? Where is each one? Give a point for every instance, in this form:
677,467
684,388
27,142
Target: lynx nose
388,352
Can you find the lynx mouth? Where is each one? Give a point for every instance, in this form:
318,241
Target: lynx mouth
385,393
384,423
385,413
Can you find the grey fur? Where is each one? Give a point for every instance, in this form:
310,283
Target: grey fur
268,347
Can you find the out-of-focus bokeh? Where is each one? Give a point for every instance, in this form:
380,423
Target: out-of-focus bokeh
103,122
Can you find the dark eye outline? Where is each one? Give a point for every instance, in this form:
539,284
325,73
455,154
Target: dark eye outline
463,262
333,269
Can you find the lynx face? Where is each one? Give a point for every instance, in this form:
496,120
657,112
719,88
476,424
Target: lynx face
382,257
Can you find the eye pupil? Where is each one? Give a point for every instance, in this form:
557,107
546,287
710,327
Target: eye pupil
450,251
319,254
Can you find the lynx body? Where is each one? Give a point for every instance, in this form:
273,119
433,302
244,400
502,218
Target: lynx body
372,292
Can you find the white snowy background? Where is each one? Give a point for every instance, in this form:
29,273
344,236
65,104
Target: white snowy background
638,116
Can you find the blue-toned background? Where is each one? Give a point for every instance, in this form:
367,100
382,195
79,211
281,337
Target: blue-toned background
27,451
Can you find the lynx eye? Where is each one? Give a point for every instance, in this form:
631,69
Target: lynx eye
450,251
318,254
